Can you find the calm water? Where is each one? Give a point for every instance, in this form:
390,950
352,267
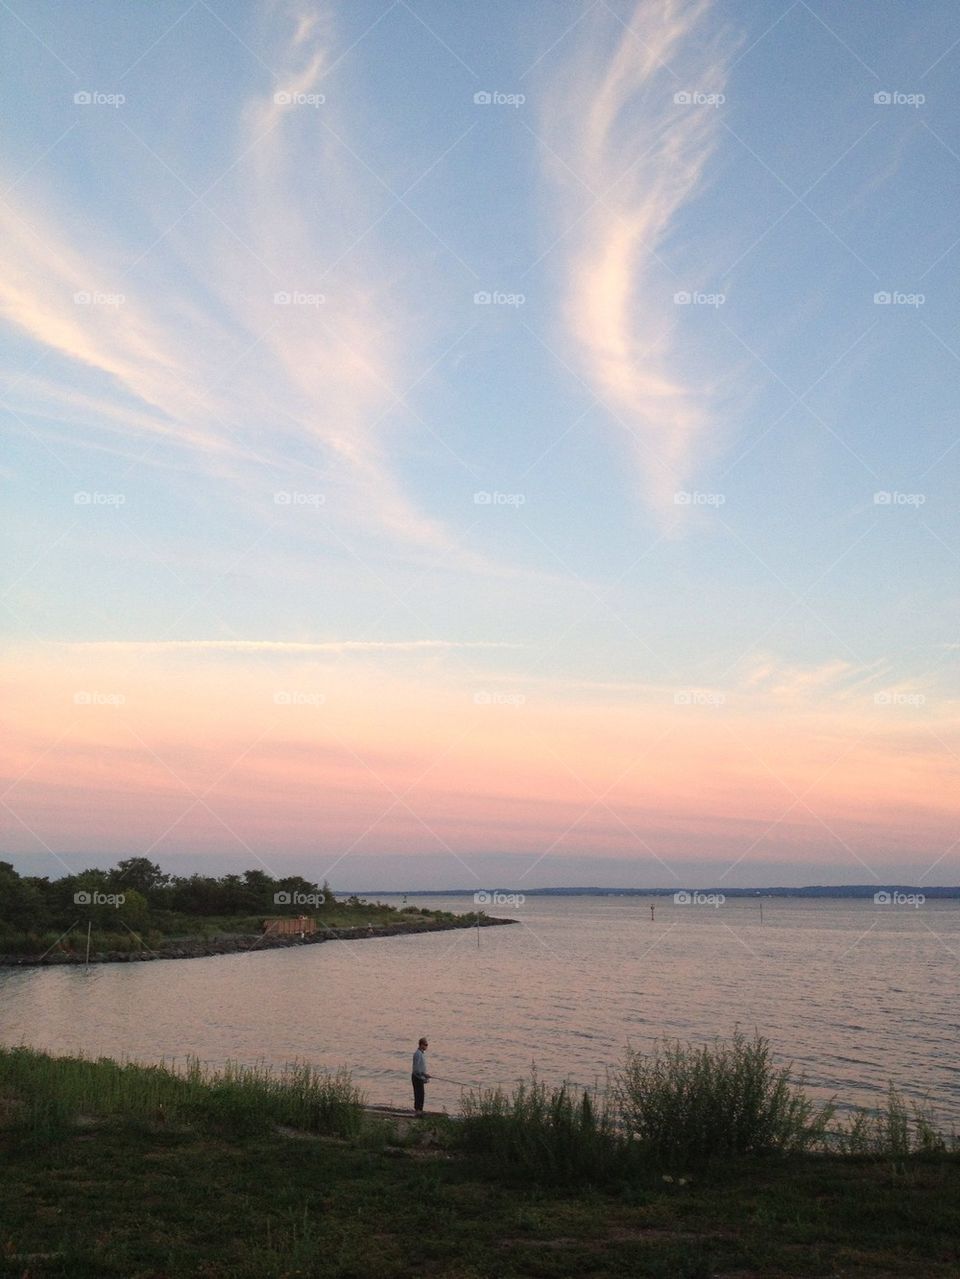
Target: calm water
855,994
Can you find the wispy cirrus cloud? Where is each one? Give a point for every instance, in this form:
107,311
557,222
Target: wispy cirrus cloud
180,339
774,683
624,157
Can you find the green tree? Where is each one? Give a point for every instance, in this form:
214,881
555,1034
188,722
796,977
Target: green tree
139,874
23,902
134,911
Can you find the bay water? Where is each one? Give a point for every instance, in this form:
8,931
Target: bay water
855,994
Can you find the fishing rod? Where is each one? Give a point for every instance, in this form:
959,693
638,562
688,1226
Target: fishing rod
459,1082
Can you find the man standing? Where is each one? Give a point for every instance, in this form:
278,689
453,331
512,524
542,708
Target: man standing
419,1075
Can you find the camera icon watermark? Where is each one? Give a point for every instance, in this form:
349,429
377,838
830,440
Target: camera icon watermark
285,98
686,298
285,698
298,298
887,698
886,98
683,897
94,897
498,297
283,898
494,98
87,297
897,297
496,898
94,98
484,698
84,698
696,498
86,498
699,697
893,897
886,497
288,497
695,98
485,497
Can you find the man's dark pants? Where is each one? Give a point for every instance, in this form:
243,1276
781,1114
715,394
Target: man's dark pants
417,1093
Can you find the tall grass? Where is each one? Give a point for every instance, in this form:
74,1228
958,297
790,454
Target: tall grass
894,1131
676,1107
686,1104
239,1099
555,1134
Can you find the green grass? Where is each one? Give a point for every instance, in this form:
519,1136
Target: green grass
120,1170
240,1099
167,928
554,1134
123,1202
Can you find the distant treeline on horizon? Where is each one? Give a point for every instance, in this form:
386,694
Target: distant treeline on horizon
813,890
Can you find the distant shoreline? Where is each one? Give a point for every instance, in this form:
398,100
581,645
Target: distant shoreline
239,943
814,891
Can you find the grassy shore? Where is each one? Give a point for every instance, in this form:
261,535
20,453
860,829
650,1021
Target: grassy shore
136,1173
232,936
192,939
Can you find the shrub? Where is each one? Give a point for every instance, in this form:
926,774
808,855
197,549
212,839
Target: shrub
686,1104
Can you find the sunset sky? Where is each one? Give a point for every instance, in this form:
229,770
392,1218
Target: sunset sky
470,444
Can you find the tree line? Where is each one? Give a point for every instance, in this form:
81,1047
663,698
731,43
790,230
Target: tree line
136,892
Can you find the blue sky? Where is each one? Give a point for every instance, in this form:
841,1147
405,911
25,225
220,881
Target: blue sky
249,267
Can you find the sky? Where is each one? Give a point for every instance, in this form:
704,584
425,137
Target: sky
465,445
